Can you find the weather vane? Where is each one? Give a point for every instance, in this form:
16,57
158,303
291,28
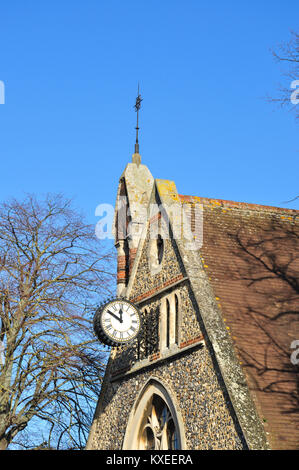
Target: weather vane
137,107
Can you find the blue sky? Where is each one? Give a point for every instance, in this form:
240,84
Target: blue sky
71,69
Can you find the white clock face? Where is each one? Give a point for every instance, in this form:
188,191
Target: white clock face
120,321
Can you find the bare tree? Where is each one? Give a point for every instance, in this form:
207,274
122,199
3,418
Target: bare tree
53,272
287,54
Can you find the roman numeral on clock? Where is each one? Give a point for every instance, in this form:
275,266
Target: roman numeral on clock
117,322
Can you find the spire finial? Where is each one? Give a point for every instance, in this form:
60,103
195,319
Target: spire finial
137,107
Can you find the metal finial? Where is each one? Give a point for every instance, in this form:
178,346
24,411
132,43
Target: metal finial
137,107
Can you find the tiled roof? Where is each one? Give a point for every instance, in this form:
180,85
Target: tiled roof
235,205
251,256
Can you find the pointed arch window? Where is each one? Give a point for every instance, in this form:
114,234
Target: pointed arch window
159,432
154,424
170,321
160,248
167,323
146,331
176,326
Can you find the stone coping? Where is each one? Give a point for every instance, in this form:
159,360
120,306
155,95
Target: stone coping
159,290
158,358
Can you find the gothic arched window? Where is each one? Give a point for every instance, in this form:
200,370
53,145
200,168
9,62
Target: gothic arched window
158,431
167,323
154,423
176,302
170,321
155,254
160,248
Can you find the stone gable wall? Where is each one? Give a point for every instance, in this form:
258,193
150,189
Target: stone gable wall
198,392
190,374
171,268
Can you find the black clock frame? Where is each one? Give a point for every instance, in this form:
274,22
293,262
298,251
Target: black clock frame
98,329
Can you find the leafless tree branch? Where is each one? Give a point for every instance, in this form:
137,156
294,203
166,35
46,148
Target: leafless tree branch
53,271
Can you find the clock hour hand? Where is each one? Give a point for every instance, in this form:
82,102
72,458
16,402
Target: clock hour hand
115,316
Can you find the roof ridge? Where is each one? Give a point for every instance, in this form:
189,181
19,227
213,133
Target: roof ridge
235,204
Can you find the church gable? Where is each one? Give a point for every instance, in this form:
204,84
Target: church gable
213,327
200,373
160,289
163,276
198,367
173,349
158,261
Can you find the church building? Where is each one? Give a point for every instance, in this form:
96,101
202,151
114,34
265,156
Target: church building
215,364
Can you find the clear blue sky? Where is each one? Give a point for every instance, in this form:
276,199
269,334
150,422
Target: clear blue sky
71,70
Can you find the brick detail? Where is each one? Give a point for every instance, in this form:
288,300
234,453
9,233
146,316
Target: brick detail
132,255
121,269
191,341
155,356
121,276
157,289
121,262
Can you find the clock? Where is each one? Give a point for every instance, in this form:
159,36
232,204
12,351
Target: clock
117,322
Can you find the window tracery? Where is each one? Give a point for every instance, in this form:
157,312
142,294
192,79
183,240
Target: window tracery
155,422
158,430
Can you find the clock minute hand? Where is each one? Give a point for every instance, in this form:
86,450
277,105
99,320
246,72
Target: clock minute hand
121,314
115,316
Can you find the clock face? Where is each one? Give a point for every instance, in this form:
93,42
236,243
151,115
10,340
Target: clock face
117,322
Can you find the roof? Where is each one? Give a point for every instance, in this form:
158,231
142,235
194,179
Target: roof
250,254
236,205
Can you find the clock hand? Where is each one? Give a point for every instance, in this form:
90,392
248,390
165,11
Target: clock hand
121,314
115,316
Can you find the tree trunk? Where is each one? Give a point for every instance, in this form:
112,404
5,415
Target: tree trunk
3,444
